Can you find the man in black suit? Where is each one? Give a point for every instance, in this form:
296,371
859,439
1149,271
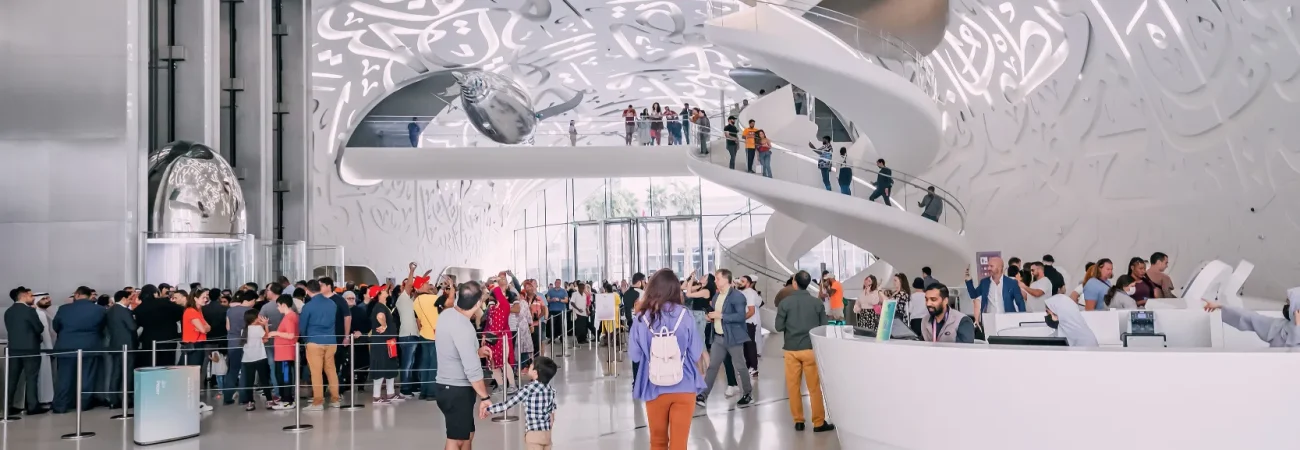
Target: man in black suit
25,330
121,334
80,326
157,316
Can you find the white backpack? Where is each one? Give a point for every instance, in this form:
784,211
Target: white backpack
665,367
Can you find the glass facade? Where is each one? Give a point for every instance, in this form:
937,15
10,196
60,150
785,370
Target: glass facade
609,229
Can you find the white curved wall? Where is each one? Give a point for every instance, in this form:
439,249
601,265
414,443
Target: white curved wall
922,396
1116,128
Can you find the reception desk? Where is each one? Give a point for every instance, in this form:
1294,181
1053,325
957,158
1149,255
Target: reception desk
907,395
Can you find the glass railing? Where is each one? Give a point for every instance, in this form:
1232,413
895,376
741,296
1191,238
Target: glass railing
858,37
394,132
797,163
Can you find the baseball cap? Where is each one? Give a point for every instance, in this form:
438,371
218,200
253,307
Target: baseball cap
374,291
419,282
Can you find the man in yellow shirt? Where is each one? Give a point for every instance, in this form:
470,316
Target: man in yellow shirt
426,315
748,134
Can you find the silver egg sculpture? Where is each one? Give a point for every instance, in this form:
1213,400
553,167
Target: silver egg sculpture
497,106
193,191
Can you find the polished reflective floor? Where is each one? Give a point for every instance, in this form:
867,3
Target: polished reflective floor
595,412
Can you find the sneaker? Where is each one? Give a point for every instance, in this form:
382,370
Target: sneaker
753,373
314,407
745,400
250,407
336,404
282,406
699,400
798,426
380,401
398,398
825,427
204,407
732,391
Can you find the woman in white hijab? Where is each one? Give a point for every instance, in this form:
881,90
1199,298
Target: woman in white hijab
1276,332
1063,315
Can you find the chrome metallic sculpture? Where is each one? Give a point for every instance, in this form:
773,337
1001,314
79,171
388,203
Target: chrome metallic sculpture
497,106
193,191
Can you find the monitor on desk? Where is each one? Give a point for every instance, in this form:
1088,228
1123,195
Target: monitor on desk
1028,340
899,331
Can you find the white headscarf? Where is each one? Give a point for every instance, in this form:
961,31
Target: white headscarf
1072,327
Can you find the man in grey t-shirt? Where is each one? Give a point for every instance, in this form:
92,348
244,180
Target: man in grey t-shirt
234,344
460,383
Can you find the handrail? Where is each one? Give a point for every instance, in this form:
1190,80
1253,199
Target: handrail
864,39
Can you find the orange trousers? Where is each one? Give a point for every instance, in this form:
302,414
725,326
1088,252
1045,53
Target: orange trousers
669,417
803,364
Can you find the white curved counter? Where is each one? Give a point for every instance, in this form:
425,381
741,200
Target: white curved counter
909,395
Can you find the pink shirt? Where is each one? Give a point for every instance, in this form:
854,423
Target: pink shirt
284,346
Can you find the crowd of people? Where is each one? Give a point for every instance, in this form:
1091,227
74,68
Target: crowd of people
456,343
654,125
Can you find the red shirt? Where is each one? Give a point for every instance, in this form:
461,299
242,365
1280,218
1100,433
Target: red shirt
284,346
189,334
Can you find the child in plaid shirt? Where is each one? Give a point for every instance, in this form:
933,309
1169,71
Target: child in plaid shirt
539,403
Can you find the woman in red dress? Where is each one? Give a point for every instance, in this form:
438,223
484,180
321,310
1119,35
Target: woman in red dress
498,335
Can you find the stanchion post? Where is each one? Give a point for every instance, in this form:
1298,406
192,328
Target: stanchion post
297,426
352,377
126,384
4,416
505,365
154,355
563,351
78,434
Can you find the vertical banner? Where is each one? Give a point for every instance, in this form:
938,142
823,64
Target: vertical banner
982,263
886,326
606,307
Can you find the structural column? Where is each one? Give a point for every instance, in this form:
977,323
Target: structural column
249,102
294,31
198,71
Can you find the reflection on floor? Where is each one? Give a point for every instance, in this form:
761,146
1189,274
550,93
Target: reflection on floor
595,412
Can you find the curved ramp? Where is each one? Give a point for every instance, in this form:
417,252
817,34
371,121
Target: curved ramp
901,120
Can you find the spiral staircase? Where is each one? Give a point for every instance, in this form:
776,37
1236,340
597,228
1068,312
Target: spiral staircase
834,58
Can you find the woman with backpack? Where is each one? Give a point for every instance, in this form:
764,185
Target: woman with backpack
665,345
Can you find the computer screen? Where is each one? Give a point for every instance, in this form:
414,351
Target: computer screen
1028,340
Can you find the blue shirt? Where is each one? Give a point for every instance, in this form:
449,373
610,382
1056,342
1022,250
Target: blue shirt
555,295
316,321
1095,290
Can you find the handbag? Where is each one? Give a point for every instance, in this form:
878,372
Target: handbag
392,347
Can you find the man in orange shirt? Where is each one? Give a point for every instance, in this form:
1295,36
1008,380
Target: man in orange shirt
748,134
832,291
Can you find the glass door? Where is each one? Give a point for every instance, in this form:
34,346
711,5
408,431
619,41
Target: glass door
652,246
685,253
588,251
620,250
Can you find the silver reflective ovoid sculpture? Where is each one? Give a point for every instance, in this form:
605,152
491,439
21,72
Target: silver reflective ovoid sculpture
194,192
497,106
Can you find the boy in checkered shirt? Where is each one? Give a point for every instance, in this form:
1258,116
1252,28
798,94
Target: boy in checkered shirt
539,403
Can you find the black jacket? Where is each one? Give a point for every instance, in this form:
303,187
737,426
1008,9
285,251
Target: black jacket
24,327
1058,280
121,328
80,326
157,318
